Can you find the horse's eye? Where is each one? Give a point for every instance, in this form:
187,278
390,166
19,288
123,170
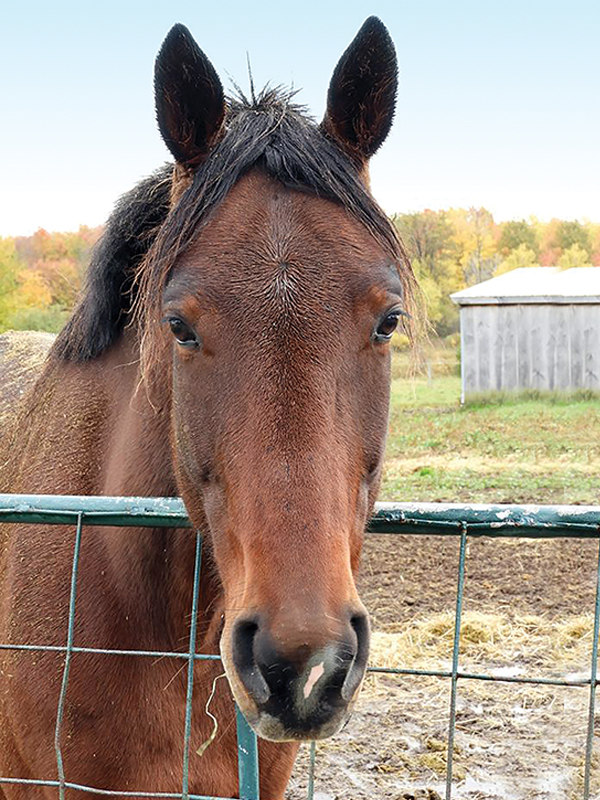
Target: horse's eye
387,326
183,334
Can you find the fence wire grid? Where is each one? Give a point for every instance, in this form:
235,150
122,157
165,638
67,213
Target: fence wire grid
459,520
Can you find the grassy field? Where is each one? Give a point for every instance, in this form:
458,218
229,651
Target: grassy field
515,451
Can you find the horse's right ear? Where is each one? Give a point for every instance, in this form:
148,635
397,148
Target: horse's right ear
190,104
362,93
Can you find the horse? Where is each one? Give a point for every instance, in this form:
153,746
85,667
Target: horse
231,345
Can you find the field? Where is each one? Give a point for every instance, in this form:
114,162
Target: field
505,451
528,605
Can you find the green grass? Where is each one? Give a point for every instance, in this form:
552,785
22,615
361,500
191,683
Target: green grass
509,449
418,391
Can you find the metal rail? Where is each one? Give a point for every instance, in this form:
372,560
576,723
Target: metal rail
463,521
535,521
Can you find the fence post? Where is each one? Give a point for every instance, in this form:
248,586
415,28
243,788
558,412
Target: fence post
247,759
68,654
455,649
185,783
589,744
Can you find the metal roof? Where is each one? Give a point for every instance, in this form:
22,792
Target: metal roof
535,285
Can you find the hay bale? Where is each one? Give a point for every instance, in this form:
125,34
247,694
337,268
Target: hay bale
22,354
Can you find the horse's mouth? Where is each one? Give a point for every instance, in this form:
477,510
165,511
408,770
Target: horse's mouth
289,719
272,728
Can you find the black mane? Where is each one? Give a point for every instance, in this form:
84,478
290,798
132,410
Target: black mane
105,303
141,236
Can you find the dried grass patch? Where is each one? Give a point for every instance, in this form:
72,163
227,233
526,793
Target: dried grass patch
22,354
523,644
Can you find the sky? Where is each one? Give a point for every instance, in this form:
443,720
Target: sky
498,103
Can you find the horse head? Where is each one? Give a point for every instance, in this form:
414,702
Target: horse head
269,299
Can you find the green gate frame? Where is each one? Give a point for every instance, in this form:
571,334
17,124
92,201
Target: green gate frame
413,518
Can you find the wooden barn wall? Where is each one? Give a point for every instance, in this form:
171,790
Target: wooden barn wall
546,347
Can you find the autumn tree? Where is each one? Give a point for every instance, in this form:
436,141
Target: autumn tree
515,234
519,258
546,233
40,290
428,238
569,233
33,291
574,256
593,230
10,268
475,236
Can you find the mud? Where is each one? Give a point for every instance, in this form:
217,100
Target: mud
513,741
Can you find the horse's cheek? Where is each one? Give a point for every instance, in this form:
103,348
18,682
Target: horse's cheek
188,423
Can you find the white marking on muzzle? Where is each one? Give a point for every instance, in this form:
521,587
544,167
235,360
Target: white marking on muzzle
313,676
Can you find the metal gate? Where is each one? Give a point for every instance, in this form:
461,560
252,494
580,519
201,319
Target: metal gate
461,521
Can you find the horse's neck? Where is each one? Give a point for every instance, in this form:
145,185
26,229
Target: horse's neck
136,437
98,430
138,461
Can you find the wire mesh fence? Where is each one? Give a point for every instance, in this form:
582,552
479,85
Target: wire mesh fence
458,520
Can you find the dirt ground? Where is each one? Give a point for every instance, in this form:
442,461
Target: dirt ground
528,611
406,576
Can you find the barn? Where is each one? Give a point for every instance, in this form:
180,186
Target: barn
531,328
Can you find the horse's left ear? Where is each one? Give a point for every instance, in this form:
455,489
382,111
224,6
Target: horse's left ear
362,93
190,104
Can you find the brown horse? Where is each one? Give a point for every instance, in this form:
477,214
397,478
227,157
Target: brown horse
232,346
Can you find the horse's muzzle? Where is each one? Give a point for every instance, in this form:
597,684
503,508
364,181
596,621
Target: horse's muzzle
305,693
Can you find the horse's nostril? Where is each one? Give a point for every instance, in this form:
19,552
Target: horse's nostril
359,623
360,626
244,634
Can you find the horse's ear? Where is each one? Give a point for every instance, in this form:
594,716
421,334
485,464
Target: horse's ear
362,93
190,105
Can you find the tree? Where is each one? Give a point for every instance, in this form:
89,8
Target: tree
10,268
575,256
428,237
51,319
63,279
569,233
593,231
432,294
520,257
546,234
475,236
33,291
514,234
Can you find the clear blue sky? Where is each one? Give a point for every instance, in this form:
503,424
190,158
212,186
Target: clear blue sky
499,102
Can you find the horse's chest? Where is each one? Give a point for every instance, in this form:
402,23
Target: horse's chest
142,726
123,726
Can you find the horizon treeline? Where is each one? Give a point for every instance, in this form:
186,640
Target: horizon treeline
41,275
